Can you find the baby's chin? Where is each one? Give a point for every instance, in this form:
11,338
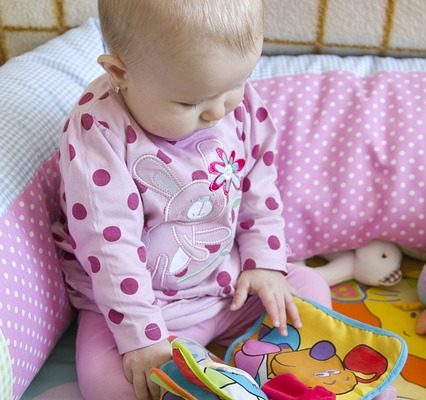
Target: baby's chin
177,136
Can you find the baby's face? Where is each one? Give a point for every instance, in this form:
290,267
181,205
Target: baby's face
172,99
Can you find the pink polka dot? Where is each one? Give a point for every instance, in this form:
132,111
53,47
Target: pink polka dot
261,114
142,188
196,175
164,157
170,292
238,113
79,211
212,248
153,332
223,278
247,224
72,242
101,177
104,124
133,201
86,98
71,150
95,264
227,289
142,253
129,286
255,151
104,96
130,134
274,242
67,122
246,185
112,233
271,203
115,317
268,158
87,121
249,264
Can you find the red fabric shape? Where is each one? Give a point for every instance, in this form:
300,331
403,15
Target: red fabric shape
288,387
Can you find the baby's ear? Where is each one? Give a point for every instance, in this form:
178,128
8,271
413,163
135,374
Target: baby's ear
115,68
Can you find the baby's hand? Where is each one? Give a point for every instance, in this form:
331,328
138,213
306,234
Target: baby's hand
137,365
274,292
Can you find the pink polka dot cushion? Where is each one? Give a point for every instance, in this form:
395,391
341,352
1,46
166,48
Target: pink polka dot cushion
351,158
37,91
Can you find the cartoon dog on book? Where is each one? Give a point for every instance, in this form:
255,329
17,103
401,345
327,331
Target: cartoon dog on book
271,355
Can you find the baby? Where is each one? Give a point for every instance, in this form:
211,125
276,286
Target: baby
173,222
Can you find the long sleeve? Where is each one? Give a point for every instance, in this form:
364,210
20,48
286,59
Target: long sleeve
260,227
105,222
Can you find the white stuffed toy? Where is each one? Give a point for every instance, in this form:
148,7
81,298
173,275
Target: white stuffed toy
376,264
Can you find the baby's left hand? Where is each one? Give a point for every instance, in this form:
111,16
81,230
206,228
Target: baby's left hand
275,293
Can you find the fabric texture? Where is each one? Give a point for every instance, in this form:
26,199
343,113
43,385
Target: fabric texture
38,91
350,159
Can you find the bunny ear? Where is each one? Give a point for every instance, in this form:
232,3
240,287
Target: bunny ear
153,173
207,149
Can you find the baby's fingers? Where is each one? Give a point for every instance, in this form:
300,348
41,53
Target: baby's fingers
292,311
282,316
141,387
272,308
154,389
240,296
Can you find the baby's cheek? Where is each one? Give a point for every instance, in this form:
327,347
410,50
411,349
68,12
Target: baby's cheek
234,99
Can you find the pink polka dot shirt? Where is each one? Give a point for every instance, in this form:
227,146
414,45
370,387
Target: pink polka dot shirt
154,222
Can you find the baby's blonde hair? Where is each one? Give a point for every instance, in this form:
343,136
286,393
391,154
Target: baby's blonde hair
134,27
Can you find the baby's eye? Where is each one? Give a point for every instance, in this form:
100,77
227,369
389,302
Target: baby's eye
189,105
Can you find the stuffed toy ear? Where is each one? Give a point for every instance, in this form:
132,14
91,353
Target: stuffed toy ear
351,359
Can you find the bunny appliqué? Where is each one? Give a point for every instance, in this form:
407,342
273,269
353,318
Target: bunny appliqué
196,219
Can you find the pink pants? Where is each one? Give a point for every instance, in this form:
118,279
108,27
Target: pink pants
99,365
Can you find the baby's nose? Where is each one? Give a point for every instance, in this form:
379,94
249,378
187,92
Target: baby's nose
214,112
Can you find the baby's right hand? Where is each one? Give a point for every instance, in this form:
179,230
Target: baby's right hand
137,365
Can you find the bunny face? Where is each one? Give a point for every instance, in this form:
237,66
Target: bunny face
190,203
196,203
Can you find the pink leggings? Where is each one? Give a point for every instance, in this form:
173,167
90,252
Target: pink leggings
99,365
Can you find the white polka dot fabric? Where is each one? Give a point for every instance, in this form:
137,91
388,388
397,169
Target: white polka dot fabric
351,159
351,165
34,308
